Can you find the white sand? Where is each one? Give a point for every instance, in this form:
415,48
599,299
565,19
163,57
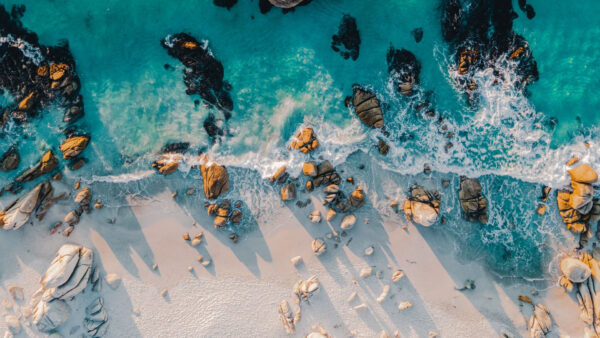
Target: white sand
239,292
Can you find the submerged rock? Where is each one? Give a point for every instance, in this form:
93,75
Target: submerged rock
472,201
367,107
216,180
404,69
305,141
19,212
347,36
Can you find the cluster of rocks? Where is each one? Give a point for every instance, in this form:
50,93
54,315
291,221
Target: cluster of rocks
305,141
347,37
481,35
302,291
581,277
320,174
37,76
578,206
203,75
224,213
68,275
472,201
404,69
422,207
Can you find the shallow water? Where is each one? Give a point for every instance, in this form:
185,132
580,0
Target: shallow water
284,75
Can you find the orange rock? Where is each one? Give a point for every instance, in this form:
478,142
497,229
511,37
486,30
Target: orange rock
583,173
517,53
189,45
73,146
42,70
306,141
216,180
572,161
57,71
525,299
27,102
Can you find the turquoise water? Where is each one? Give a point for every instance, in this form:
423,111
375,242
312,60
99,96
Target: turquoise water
284,74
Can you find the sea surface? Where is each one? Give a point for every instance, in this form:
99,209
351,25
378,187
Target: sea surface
284,75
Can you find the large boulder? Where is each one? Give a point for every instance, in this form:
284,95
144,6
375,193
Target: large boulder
583,173
582,197
216,180
367,107
575,270
305,141
73,146
472,201
422,207
68,273
46,164
19,212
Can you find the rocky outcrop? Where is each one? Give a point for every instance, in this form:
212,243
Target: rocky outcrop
422,207
404,69
577,207
305,141
367,107
73,146
66,277
46,164
19,212
347,36
10,159
96,318
472,201
216,180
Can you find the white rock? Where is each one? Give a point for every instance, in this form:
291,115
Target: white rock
404,305
574,269
296,260
49,315
318,246
423,213
19,212
384,293
315,217
398,275
13,323
331,189
330,215
366,272
71,218
287,317
369,250
113,280
61,268
306,288
79,278
348,222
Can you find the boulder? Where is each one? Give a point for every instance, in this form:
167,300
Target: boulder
574,269
356,199
305,141
367,107
216,180
330,215
383,147
46,164
310,169
582,197
73,146
10,159
318,246
58,70
315,216
540,322
84,198
466,59
113,280
472,201
326,175
304,289
27,102
583,173
422,207
288,192
47,316
77,279
19,212
280,175
167,163
287,318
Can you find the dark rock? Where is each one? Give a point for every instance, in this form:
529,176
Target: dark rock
404,68
367,107
10,159
326,175
225,3
417,33
472,201
347,36
383,147
46,164
451,19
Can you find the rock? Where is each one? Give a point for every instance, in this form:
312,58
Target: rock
572,161
287,317
404,68
348,222
367,107
583,173
57,71
216,180
383,147
347,36
315,216
236,217
356,199
84,197
296,260
27,102
47,316
467,58
525,299
98,204
72,217
19,212
225,3
309,186
404,305
280,175
286,3
96,318
167,163
422,207
540,322
384,293
113,280
16,292
318,246
13,323
310,169
330,215
305,141
417,34
582,197
574,269
541,209
288,192
304,289
545,193
397,275
46,164
10,159
472,201
369,250
68,273
366,272
326,175
73,146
